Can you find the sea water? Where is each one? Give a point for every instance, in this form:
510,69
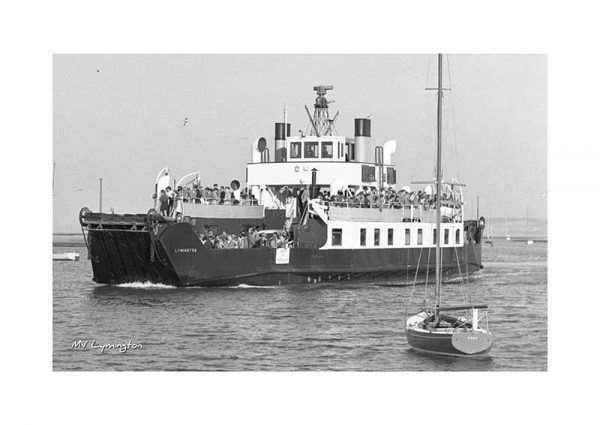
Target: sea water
320,327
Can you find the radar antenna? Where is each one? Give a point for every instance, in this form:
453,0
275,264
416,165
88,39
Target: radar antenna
321,125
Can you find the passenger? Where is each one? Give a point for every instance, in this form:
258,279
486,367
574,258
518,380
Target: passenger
282,195
236,196
251,237
264,243
281,242
222,195
163,200
360,198
380,201
273,241
228,242
178,201
370,198
304,197
171,196
215,194
243,241
210,243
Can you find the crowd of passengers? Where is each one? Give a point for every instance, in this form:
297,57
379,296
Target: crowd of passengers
253,239
366,197
169,200
385,198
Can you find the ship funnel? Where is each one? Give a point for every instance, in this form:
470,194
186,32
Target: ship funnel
362,135
282,132
258,147
389,148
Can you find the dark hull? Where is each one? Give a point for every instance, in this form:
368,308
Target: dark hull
439,344
172,254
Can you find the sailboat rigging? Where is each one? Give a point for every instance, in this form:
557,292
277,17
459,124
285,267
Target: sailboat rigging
432,331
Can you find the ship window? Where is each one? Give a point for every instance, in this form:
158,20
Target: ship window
326,149
457,236
376,237
434,236
446,236
310,149
336,237
363,237
406,236
295,150
419,236
390,236
351,146
340,149
391,175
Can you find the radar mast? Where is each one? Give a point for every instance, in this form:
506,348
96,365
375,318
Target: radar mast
320,124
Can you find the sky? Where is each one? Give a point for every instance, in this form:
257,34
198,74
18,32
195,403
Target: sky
121,118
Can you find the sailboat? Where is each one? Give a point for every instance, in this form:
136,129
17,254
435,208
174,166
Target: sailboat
490,238
432,331
506,229
529,240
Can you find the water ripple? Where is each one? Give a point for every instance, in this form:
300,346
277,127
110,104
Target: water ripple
333,326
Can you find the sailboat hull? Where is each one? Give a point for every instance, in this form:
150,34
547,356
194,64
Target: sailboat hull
458,344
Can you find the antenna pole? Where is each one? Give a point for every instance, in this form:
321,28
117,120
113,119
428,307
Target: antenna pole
438,197
477,208
100,195
284,123
312,123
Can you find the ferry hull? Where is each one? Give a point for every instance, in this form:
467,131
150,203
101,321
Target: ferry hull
175,256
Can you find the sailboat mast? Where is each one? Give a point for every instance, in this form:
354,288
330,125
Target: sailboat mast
438,197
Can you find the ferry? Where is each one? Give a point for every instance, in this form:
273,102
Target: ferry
330,238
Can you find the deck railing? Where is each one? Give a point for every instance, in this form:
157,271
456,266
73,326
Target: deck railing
406,212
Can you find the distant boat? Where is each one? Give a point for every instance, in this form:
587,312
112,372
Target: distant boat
66,256
529,241
490,238
431,331
506,229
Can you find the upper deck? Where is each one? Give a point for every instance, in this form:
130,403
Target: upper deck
321,157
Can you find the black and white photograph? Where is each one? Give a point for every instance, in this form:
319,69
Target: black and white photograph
220,212
299,212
